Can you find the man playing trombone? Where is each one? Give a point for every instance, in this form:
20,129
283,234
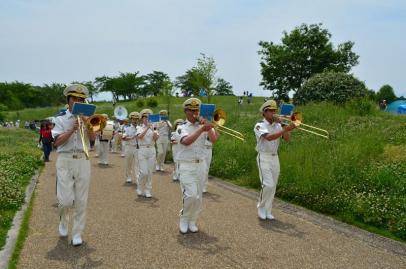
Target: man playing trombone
268,133
72,166
191,137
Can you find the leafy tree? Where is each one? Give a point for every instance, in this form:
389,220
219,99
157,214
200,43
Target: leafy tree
198,77
386,93
156,82
332,86
304,52
223,87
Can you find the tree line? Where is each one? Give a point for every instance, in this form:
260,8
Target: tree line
125,86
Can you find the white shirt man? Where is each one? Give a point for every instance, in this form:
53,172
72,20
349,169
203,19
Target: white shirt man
131,149
146,154
191,138
268,133
72,166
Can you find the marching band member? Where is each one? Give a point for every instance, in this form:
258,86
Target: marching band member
268,133
163,128
72,167
146,154
175,146
131,149
104,146
191,137
120,142
116,128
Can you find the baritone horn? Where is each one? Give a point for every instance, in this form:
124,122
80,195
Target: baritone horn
297,119
96,123
219,119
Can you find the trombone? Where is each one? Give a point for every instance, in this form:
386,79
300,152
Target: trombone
297,119
219,119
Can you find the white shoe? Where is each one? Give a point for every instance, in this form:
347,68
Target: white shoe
122,155
77,240
204,190
183,226
161,169
139,192
193,227
270,216
63,230
262,213
128,180
148,194
157,168
106,163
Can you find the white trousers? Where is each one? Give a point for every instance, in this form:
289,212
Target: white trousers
146,162
162,147
97,145
72,187
104,152
208,155
269,170
175,174
191,178
131,162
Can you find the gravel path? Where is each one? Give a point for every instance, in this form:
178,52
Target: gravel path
126,231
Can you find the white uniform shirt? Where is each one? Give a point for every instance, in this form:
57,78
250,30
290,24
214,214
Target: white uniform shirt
194,151
163,128
263,145
62,124
148,138
131,131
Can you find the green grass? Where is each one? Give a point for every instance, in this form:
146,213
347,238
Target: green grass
358,176
19,158
22,235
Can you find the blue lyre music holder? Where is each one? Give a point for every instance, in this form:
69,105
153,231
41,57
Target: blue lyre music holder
154,118
81,109
164,118
207,110
287,109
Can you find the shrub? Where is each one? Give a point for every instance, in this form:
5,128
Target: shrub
140,103
152,102
330,86
362,106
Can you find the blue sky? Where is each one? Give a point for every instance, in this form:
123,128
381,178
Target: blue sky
68,40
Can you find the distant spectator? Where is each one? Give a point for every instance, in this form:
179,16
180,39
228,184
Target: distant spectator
249,98
177,94
26,125
18,124
240,100
382,105
45,136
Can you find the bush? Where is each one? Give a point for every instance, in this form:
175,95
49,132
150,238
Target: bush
330,86
362,106
152,102
140,103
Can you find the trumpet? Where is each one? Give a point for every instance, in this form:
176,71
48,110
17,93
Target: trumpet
219,119
297,119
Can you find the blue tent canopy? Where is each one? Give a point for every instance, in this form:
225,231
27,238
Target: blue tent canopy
397,107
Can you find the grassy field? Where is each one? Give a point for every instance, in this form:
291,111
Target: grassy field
19,158
358,176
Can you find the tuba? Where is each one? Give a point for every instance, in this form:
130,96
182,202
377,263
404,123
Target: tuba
120,112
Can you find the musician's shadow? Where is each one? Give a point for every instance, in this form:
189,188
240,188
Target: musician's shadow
129,185
201,241
152,202
212,197
281,227
103,166
77,257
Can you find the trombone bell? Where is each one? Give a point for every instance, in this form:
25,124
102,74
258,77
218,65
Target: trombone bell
96,123
219,119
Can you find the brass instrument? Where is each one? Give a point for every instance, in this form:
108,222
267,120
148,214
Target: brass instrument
297,119
96,123
219,119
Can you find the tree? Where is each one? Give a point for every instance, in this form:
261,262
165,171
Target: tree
156,82
386,93
223,87
331,86
202,76
304,52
